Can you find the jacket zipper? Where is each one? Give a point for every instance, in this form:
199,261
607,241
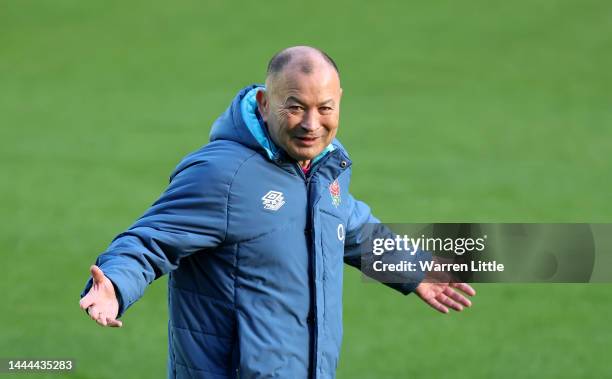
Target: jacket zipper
312,262
312,320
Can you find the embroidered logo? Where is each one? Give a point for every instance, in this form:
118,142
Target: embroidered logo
273,200
334,190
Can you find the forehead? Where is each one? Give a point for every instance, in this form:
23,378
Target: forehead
313,86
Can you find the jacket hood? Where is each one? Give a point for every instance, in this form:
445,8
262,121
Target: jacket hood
242,123
231,125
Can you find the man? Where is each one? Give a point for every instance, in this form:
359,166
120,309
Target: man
253,231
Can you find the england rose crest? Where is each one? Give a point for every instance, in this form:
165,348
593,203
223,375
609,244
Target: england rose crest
334,191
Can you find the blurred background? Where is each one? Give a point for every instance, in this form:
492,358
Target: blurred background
478,111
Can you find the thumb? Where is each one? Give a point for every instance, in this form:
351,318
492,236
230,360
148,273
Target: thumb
97,274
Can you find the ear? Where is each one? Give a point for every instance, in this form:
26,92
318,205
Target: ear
262,104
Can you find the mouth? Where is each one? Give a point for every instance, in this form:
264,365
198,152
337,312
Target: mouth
306,141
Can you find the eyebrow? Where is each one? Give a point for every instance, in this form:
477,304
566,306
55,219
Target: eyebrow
296,100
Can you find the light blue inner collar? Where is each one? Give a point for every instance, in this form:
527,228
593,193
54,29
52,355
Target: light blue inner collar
248,107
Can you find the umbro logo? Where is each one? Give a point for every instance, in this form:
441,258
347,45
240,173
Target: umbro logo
273,200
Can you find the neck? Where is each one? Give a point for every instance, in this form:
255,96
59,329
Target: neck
304,164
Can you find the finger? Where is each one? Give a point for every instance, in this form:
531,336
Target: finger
465,288
86,302
94,312
435,304
459,298
442,298
101,320
96,274
115,323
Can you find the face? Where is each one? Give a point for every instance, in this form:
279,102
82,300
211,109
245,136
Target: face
302,111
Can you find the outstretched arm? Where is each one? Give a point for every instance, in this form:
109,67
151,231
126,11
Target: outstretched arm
189,217
435,289
361,228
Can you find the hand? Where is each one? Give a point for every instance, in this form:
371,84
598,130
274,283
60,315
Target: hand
101,302
443,295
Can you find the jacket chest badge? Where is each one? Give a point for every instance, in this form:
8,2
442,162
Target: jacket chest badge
273,200
334,191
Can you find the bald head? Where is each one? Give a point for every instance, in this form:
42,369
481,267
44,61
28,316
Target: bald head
300,105
301,59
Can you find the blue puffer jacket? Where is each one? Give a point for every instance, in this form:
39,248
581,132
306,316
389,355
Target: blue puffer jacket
254,250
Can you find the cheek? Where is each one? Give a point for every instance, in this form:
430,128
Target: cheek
291,121
280,128
330,123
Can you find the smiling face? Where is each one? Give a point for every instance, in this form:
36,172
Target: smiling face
302,110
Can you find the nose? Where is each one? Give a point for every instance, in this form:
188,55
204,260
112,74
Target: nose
311,122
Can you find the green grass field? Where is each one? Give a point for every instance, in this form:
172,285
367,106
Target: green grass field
452,111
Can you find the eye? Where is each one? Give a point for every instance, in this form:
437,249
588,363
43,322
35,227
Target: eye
295,108
325,110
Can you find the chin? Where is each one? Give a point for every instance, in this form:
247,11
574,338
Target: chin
305,154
